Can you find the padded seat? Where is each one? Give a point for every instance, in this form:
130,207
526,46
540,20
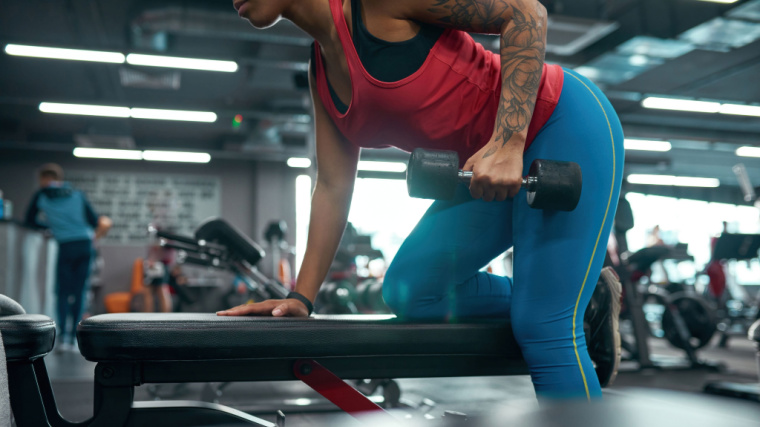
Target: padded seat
27,336
139,337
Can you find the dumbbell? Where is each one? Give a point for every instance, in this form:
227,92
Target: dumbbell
551,184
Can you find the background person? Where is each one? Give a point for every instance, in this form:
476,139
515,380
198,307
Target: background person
74,225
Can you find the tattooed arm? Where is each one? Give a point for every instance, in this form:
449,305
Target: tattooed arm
522,26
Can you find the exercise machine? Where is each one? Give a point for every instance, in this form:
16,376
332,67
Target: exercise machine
687,321
736,310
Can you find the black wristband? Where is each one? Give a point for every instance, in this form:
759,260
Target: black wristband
303,299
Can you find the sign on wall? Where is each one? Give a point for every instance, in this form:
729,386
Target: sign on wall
176,203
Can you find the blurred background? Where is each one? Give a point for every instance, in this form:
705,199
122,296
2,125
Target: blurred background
165,113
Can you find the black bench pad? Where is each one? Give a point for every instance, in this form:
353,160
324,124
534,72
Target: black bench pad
27,336
136,337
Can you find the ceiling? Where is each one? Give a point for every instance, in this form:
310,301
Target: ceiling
631,48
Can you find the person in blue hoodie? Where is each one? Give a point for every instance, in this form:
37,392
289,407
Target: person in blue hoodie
68,215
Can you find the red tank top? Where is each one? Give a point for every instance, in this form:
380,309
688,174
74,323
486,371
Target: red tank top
450,103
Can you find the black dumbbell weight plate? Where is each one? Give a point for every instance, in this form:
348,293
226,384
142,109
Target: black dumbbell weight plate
432,174
698,317
557,185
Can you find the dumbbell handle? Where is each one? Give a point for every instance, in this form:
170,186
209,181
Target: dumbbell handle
527,182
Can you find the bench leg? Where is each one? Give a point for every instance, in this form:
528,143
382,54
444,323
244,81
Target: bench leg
112,405
115,405
26,399
48,397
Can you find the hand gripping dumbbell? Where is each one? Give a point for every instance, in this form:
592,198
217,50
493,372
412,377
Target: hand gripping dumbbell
551,184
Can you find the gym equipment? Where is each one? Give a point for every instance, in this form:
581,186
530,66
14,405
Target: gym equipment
687,320
741,391
152,348
370,296
337,297
219,245
738,311
697,317
344,292
739,247
550,184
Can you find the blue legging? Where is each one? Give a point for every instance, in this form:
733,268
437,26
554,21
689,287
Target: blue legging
557,255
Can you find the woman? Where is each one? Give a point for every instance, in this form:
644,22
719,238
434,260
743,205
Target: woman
404,73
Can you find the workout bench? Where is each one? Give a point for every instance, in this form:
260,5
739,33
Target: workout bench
134,349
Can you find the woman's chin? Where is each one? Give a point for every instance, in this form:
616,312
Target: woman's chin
262,22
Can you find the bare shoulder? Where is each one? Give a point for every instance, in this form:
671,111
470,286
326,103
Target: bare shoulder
318,21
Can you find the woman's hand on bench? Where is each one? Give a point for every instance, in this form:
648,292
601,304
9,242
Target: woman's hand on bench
272,307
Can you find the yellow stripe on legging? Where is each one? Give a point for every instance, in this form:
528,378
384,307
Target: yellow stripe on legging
598,237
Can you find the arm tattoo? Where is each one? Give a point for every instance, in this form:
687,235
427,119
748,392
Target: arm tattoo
522,54
483,16
522,61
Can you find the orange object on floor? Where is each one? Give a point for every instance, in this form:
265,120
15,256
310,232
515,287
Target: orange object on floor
119,302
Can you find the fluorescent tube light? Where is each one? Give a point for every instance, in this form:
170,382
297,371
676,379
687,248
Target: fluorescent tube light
670,180
299,162
721,1
84,110
176,156
60,53
748,151
367,165
740,110
186,63
187,116
681,105
119,58
104,153
125,112
647,145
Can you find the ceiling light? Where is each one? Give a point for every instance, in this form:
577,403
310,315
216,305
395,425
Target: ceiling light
655,47
366,165
68,54
104,153
740,110
647,145
187,116
84,110
722,34
124,112
721,1
299,162
176,156
680,105
670,180
186,63
748,151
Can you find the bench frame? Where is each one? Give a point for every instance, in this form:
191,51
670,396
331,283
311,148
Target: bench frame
34,404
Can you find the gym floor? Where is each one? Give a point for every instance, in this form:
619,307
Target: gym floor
73,385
